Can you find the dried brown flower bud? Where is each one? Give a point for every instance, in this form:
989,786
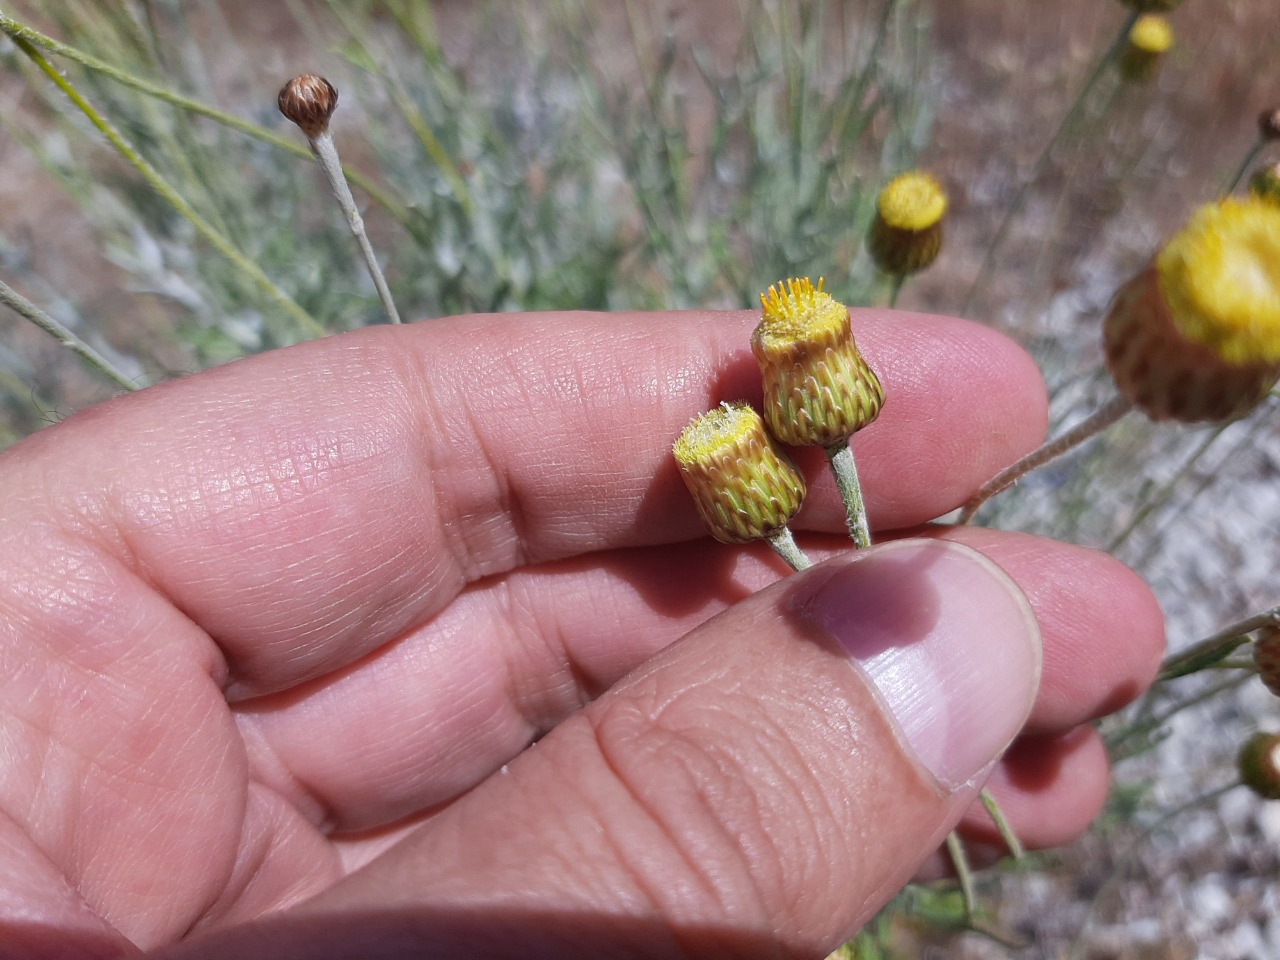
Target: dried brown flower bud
1266,657
309,101
1269,124
1259,765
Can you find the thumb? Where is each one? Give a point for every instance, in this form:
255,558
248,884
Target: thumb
760,788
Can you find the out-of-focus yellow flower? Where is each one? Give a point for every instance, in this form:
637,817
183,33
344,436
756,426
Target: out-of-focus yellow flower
743,484
1259,765
1150,38
1196,336
1221,276
906,234
818,389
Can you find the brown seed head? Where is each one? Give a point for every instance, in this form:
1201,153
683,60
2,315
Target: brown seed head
309,101
1269,124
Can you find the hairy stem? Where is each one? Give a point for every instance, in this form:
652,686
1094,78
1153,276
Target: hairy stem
845,471
784,545
25,308
1091,426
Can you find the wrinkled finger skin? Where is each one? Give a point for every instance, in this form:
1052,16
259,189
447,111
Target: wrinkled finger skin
256,623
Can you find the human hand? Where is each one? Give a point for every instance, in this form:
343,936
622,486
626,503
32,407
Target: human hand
280,635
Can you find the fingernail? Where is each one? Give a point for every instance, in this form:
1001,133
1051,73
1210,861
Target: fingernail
949,642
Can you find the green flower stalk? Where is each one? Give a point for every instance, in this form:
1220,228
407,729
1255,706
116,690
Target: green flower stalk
743,484
818,390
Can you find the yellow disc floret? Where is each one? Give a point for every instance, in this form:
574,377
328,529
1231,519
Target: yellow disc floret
912,201
799,310
1221,279
744,486
1151,33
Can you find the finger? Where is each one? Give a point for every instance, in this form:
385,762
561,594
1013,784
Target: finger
1104,630
770,781
306,506
427,719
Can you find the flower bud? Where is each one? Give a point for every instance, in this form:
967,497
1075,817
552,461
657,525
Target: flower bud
1196,335
1259,765
1150,38
818,390
309,101
1269,124
1265,183
743,484
1266,657
906,234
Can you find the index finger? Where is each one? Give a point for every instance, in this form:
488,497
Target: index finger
305,506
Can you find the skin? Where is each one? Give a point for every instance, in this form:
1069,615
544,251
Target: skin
306,613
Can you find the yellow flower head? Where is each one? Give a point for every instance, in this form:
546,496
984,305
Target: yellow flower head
912,201
906,233
1151,33
744,486
1221,279
818,389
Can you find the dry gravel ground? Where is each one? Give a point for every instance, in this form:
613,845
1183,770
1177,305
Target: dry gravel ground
1207,885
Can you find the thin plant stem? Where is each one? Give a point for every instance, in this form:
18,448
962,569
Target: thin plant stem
1095,423
843,468
21,31
1077,108
170,195
964,874
327,156
1245,164
25,308
898,280
1216,647
784,545
1016,849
